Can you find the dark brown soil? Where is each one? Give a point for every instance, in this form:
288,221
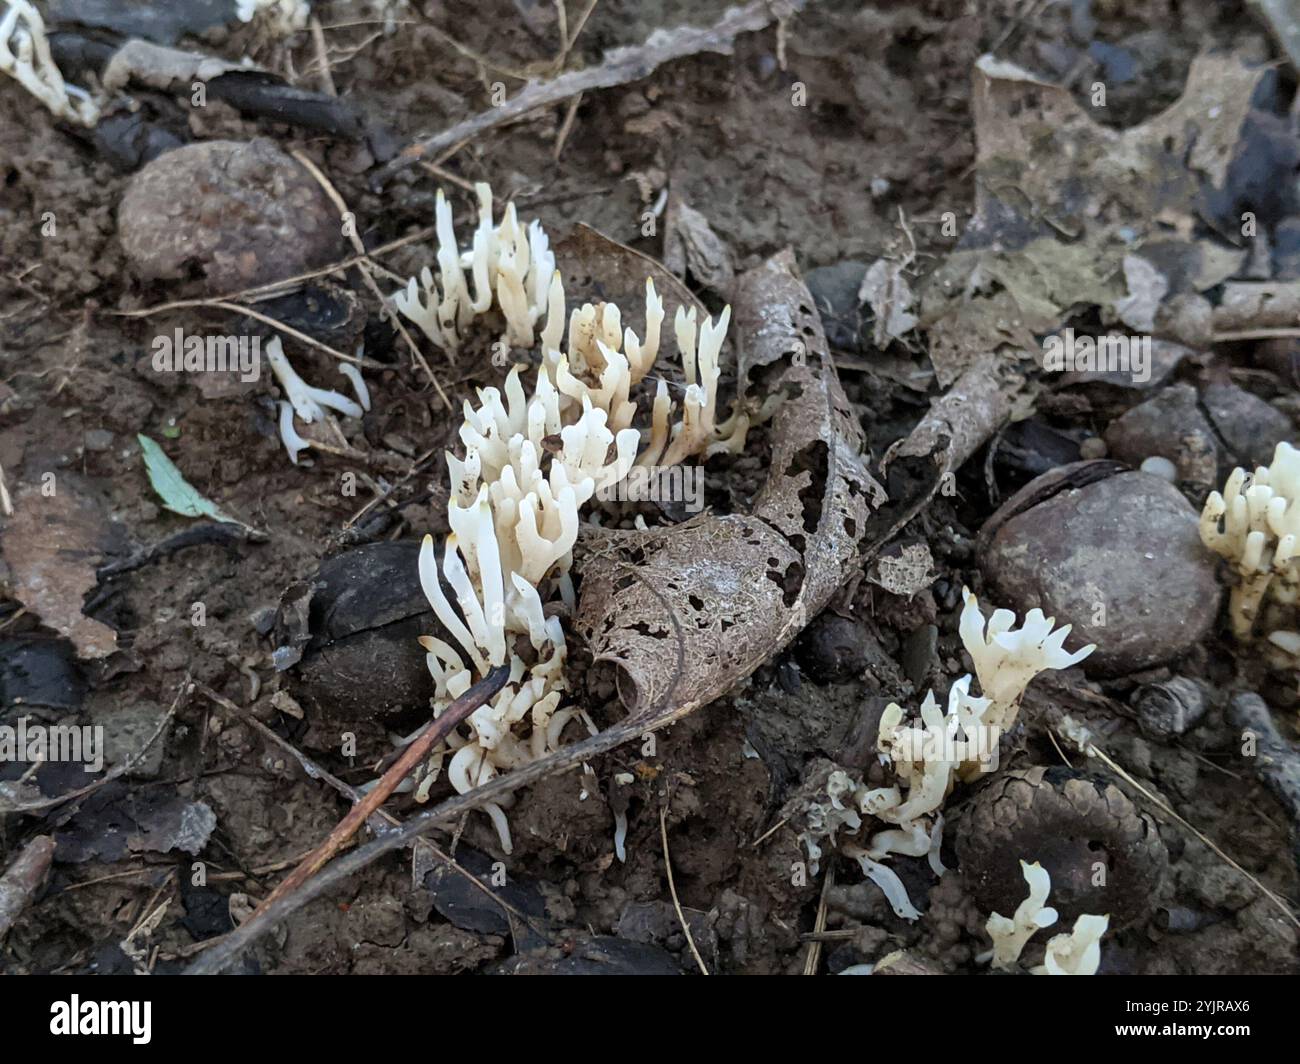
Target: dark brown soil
886,134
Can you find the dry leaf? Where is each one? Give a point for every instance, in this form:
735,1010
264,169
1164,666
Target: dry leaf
53,545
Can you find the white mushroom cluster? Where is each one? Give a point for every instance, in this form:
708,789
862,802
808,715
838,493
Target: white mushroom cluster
1075,953
310,403
25,56
508,265
930,755
1255,525
533,458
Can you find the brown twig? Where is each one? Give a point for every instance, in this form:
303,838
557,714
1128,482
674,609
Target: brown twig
411,757
620,67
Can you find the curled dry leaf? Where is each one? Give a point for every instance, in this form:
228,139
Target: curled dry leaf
1061,200
682,614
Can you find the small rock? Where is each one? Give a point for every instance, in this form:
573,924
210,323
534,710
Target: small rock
833,649
1249,426
1169,425
98,440
235,214
1115,553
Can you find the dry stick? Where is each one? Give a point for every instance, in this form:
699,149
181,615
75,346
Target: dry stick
364,266
621,66
411,757
222,954
316,771
23,878
813,961
275,289
567,39
322,57
265,319
1092,750
672,889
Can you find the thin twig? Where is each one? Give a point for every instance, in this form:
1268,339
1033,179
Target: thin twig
276,289
1092,750
316,771
813,961
410,758
621,66
322,57
364,266
672,889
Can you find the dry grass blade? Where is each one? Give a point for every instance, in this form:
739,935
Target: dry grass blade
672,889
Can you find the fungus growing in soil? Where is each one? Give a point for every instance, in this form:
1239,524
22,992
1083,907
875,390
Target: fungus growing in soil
533,460
1255,525
25,56
1075,953
307,402
930,755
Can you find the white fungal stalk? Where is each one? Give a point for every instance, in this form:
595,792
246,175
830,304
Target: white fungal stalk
931,755
1075,953
1006,659
25,56
1011,935
509,266
532,460
309,403
1255,525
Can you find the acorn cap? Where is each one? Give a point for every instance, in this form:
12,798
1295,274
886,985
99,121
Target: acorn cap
1104,855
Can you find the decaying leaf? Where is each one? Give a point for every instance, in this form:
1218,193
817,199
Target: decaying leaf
113,823
886,291
1147,286
691,244
53,545
177,494
682,614
1061,201
904,573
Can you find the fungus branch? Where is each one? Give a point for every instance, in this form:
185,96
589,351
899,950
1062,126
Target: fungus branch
25,57
532,461
1255,525
1077,952
931,755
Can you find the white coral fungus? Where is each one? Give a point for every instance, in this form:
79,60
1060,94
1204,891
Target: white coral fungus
1077,952
533,458
25,56
930,755
1255,525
